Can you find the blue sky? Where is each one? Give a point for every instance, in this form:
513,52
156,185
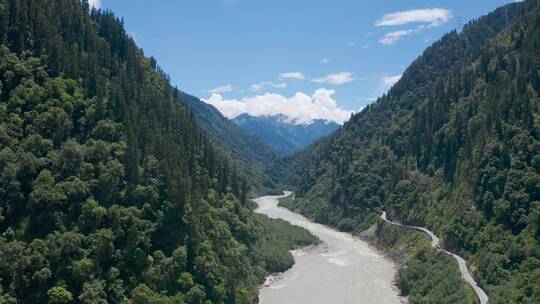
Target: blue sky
306,59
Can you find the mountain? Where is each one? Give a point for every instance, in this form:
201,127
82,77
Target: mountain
110,192
284,136
453,146
248,146
246,152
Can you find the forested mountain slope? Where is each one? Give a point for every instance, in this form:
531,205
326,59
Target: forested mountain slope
248,146
246,152
109,190
455,146
284,136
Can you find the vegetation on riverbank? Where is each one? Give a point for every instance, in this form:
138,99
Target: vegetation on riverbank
278,237
425,275
454,146
323,213
110,192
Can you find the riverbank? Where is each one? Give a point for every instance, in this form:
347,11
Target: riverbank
423,275
279,239
348,270
435,243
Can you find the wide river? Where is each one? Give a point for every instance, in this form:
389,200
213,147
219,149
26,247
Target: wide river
346,271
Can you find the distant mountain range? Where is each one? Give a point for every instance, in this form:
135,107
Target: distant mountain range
283,135
245,151
247,145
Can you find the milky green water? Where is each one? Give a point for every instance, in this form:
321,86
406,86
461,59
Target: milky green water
347,271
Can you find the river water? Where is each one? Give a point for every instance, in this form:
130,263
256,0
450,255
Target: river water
346,271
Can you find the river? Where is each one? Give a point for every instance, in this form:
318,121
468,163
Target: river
347,271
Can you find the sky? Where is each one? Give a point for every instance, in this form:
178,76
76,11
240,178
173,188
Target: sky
305,59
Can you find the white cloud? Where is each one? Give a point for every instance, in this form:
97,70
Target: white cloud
291,75
94,3
222,89
300,108
392,37
338,78
265,84
431,16
324,61
389,81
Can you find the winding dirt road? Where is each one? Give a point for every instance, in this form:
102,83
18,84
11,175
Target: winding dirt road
435,243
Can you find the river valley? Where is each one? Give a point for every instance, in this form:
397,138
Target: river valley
343,270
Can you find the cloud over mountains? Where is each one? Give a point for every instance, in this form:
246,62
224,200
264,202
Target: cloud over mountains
299,108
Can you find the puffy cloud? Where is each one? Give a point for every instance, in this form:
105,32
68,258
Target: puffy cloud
94,3
221,89
338,78
392,37
265,84
292,75
324,61
299,108
430,16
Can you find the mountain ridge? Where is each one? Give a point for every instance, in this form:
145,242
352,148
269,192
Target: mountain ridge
284,135
453,146
110,191
211,119
246,152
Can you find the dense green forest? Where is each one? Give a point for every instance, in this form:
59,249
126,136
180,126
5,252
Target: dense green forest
244,151
428,276
454,146
109,190
279,234
248,146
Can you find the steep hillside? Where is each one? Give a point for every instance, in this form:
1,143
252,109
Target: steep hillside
285,137
248,146
244,151
455,146
109,190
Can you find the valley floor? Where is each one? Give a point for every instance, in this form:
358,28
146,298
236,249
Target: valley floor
342,270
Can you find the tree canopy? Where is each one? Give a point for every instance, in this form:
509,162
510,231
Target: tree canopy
454,145
109,190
